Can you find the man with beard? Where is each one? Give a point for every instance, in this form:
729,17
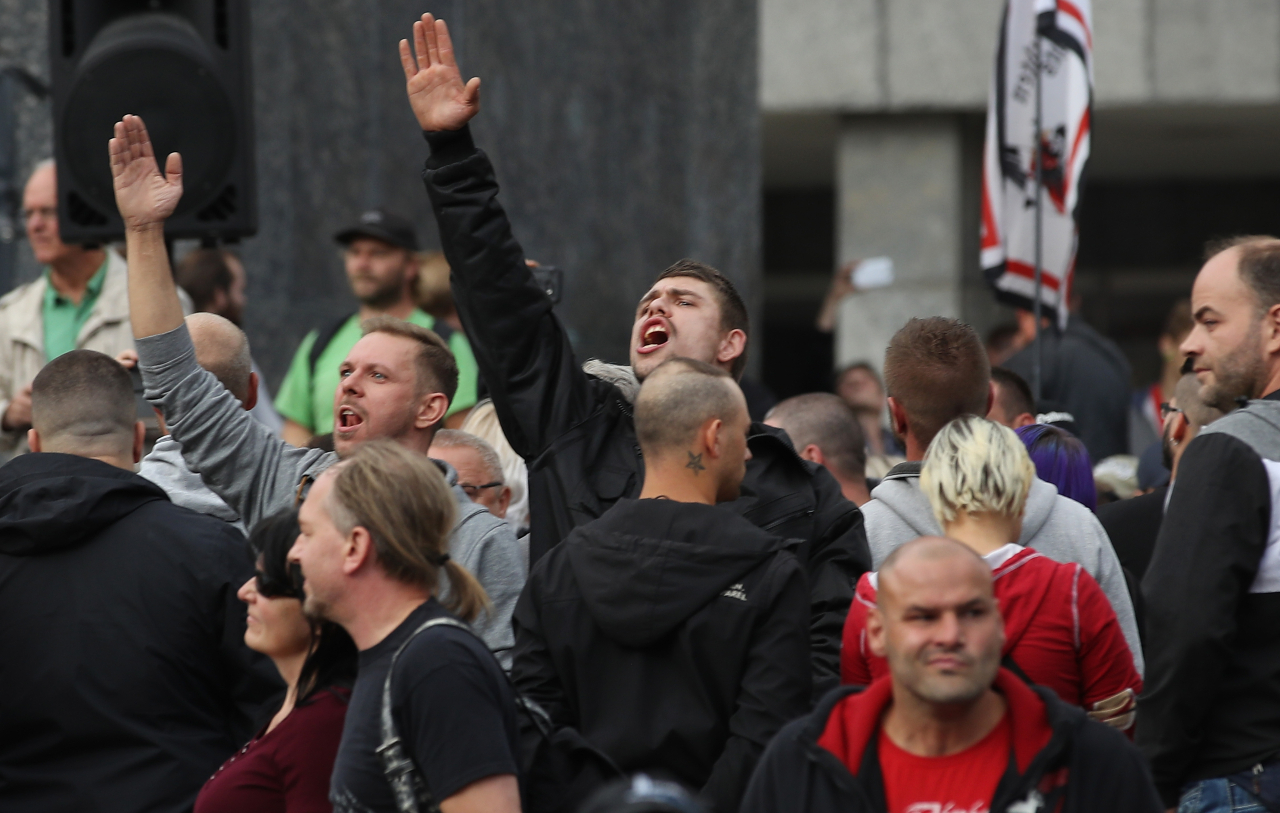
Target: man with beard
379,253
575,425
1211,713
214,279
947,729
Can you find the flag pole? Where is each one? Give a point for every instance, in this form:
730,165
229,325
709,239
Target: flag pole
1037,362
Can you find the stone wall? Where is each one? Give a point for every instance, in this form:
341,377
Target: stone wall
625,138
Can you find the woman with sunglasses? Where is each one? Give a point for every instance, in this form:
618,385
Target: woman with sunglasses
286,766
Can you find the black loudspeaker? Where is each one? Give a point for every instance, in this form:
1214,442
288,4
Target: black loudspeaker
183,66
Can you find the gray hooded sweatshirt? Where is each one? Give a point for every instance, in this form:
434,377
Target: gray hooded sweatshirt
257,474
1060,528
165,467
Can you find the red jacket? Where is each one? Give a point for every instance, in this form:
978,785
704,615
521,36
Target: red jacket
1059,630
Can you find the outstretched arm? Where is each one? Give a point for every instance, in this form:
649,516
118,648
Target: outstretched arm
439,99
146,199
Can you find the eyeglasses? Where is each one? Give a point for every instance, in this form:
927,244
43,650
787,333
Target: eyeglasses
472,491
1167,409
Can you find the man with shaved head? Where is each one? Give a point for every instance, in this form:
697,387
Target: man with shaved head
671,634
222,349
1211,710
825,429
947,729
127,682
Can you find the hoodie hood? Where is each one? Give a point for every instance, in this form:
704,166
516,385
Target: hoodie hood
899,492
50,502
646,566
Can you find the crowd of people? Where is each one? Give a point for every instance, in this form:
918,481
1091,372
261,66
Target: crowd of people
451,566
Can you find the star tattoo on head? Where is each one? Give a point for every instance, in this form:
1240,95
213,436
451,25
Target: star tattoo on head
695,463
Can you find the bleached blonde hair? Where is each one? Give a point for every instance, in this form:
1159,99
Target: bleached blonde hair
976,466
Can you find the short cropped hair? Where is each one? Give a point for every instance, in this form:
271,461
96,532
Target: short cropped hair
456,438
733,311
1015,394
1187,393
437,369
937,369
83,401
676,399
1259,265
976,466
826,421
202,273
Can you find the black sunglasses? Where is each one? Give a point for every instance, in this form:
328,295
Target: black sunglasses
289,587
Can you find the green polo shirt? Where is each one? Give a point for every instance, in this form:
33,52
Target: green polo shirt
63,319
308,400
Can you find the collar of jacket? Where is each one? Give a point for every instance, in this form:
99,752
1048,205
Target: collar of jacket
848,719
111,308
908,468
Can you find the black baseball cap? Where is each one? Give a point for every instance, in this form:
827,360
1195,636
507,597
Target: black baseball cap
381,225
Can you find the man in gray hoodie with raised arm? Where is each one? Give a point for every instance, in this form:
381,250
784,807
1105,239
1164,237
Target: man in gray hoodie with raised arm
936,370
396,383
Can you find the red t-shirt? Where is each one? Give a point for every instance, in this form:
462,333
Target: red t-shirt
959,783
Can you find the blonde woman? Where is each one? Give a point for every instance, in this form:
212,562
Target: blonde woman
1060,630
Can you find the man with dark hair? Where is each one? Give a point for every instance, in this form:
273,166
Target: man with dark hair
1211,710
380,254
214,278
824,429
397,382
937,370
135,684
574,427
673,636
947,729
1011,403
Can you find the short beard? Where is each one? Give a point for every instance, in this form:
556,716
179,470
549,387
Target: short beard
1237,375
315,609
383,298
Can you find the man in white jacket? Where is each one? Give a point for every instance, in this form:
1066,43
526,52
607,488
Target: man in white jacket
935,371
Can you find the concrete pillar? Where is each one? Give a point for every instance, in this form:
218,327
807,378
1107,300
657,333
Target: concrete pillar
899,190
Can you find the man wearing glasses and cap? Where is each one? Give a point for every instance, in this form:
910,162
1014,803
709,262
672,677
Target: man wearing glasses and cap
380,255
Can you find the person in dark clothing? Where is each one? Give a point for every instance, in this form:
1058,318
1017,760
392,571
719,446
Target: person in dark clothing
671,635
576,428
126,677
1085,374
1211,712
947,729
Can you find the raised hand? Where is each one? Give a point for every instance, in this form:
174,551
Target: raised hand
439,99
143,196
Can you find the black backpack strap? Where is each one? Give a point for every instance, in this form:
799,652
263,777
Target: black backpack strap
444,330
1009,663
323,338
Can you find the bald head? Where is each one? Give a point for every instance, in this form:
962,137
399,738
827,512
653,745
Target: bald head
929,553
677,399
82,403
222,349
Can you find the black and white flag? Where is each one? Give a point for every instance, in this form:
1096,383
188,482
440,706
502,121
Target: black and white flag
1013,147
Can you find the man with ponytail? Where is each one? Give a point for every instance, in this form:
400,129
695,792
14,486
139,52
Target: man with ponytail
374,553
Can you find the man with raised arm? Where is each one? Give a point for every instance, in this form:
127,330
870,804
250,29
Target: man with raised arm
576,429
396,383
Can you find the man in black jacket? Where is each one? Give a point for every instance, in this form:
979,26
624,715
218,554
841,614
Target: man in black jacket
672,635
947,729
576,429
1211,711
126,678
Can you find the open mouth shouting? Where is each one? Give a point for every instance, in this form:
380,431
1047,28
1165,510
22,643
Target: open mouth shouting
654,333
347,421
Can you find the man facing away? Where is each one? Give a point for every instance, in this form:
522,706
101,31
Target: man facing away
947,729
396,383
1011,401
127,681
671,635
379,253
576,429
214,278
1211,713
825,429
936,370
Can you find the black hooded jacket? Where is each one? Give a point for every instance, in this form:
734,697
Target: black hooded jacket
673,637
126,679
577,431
